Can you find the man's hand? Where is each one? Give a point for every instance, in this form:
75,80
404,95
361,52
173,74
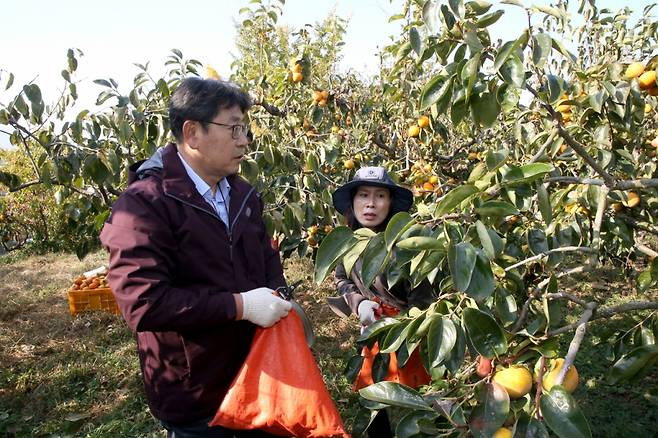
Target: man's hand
368,312
263,308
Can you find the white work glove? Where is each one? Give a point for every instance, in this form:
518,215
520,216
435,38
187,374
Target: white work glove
263,308
366,312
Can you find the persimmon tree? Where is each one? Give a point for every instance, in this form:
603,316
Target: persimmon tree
560,177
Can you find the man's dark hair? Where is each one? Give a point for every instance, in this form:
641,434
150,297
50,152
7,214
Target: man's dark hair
201,100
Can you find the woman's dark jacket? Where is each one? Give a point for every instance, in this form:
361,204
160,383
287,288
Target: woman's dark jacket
402,295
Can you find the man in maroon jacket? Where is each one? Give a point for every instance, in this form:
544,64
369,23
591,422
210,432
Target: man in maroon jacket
191,264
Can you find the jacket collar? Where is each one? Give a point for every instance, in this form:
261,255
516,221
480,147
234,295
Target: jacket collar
177,183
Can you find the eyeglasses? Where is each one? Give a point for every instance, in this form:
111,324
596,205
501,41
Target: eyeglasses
236,130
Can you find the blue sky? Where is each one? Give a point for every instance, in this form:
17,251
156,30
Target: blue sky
36,34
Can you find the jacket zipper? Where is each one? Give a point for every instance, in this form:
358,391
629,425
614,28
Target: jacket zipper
229,228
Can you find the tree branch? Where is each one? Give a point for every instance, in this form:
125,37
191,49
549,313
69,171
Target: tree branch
574,346
596,229
542,149
270,108
574,180
605,313
573,143
537,291
641,183
560,295
552,251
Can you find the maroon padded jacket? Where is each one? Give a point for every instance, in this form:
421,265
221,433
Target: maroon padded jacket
174,266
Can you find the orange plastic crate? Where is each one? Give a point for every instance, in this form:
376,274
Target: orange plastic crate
87,300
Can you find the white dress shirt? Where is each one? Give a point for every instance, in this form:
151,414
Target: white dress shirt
222,197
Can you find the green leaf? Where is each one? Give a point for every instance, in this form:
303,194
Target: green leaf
441,338
249,169
518,3
431,16
544,203
94,168
447,17
496,209
530,427
411,425
10,180
395,394
457,6
72,62
456,358
458,111
376,328
21,106
541,48
633,363
485,109
490,412
526,173
596,100
434,90
563,415
555,12
485,239
398,224
557,45
505,51
332,248
482,282
455,197
10,81
415,40
495,159
512,71
486,336
373,257
556,87
489,19
470,73
537,241
420,243
352,255
394,338
102,82
461,259
479,7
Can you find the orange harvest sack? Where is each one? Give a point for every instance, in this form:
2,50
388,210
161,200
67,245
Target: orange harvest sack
412,374
279,388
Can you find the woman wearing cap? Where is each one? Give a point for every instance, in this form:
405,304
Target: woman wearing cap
369,200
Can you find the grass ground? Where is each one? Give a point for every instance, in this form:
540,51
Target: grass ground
80,377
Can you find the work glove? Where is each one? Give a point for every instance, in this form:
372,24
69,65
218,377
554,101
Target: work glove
263,308
368,312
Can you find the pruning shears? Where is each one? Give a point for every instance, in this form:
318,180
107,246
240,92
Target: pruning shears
287,293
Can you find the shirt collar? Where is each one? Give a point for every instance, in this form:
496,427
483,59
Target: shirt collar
201,186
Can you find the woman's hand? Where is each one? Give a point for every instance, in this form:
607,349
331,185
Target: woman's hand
368,312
